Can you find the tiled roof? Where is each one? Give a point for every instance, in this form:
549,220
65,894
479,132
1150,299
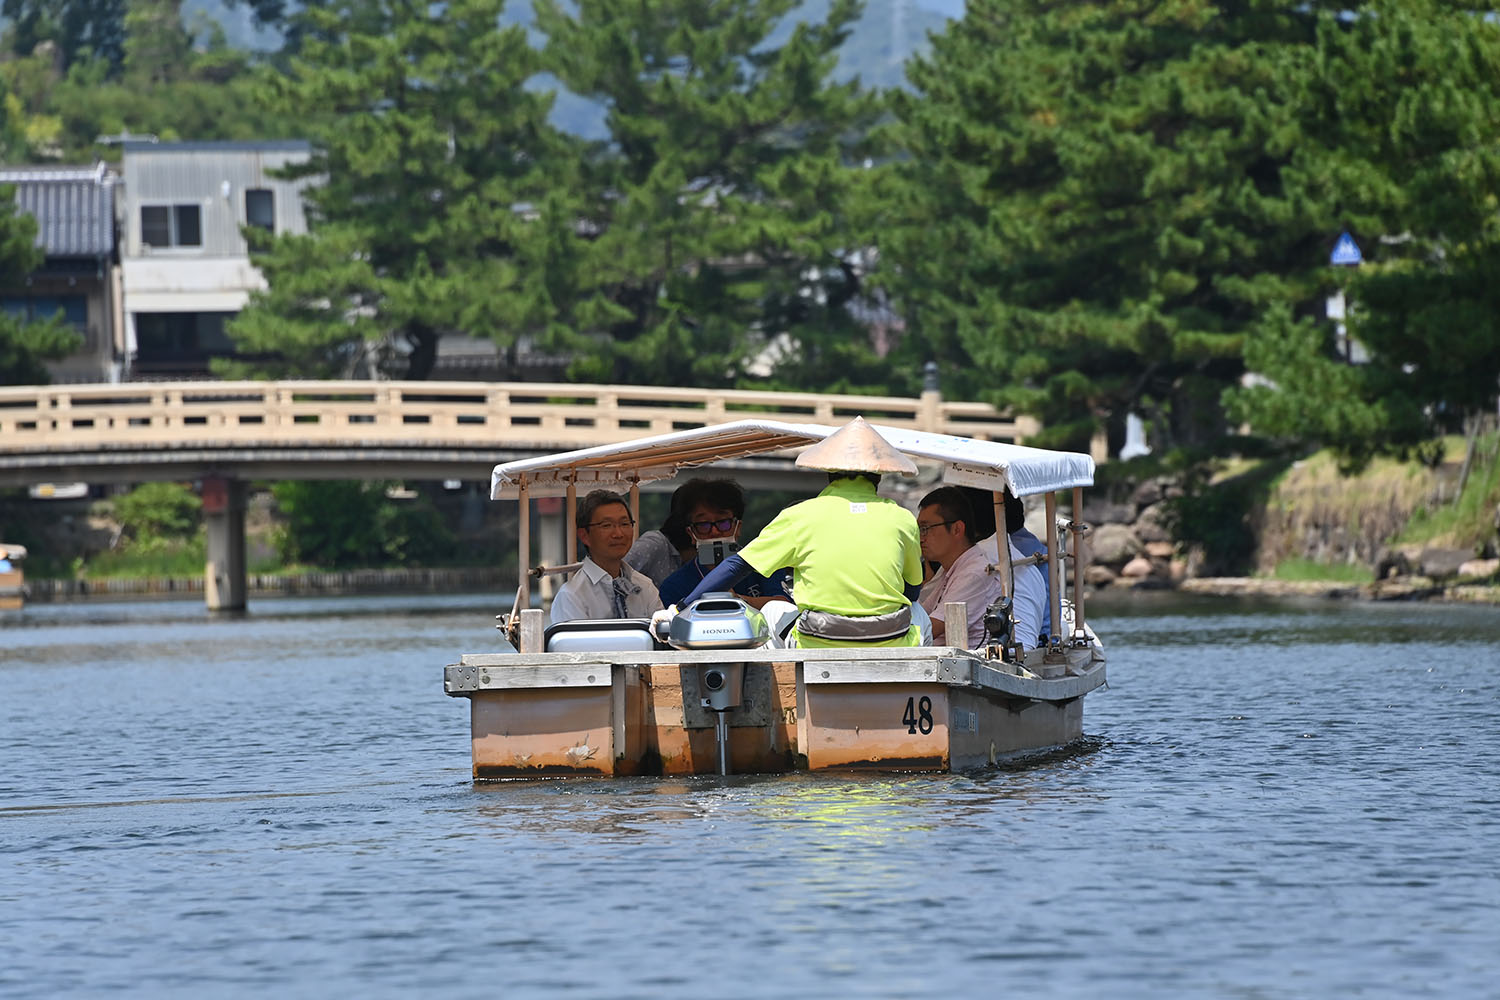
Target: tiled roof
74,207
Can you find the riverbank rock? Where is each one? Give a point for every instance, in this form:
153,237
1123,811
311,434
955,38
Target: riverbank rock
1477,569
1151,524
1113,545
1441,564
1404,588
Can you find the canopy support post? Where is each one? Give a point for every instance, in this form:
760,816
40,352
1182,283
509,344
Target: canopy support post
1002,546
1054,578
523,496
1078,528
570,516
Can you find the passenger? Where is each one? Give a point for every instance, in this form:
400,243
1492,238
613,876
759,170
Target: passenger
856,556
660,553
718,507
1021,540
1024,542
604,587
945,524
1029,593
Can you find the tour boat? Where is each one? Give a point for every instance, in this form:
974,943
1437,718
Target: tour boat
710,696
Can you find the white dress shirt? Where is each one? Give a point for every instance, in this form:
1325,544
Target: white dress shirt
1030,599
590,594
967,581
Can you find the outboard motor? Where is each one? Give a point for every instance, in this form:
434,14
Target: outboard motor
719,620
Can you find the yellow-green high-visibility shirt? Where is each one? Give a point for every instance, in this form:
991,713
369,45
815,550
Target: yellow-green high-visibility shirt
850,552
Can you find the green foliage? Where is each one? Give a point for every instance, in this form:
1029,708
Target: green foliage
337,525
1294,357
1214,514
427,146
24,346
1473,518
721,219
1408,93
158,558
1101,201
1308,569
75,28
159,511
1117,206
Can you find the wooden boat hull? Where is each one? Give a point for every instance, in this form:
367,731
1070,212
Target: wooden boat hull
927,709
12,589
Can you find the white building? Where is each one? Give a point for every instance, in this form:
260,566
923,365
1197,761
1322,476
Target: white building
184,263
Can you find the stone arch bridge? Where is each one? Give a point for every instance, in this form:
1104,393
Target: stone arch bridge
224,434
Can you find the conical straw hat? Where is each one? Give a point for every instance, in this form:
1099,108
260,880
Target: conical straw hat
856,447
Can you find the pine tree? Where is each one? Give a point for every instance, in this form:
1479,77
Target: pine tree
1409,92
428,155
1101,202
718,224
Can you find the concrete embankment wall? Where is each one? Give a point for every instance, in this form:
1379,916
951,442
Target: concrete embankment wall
355,581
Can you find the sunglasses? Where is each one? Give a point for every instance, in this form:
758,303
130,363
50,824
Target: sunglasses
704,527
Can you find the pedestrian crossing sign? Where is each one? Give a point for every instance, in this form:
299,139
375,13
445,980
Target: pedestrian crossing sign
1345,252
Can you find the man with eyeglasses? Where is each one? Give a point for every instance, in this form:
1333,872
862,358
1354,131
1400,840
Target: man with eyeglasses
604,586
945,522
715,510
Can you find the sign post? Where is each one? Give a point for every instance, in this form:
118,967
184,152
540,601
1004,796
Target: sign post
1345,254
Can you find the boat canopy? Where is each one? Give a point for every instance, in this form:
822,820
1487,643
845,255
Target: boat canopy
991,465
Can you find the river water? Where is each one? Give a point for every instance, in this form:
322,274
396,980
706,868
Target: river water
1273,800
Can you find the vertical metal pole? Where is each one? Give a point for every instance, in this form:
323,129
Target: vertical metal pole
1002,545
570,518
1078,561
523,497
721,731
1054,579
635,502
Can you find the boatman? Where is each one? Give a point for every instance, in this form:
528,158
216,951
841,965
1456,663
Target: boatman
855,557
604,586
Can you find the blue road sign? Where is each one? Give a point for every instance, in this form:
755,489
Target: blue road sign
1345,252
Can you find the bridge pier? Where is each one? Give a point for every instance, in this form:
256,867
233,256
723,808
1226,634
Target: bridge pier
224,578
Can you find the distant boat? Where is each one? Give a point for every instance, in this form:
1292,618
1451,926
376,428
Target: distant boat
612,698
12,579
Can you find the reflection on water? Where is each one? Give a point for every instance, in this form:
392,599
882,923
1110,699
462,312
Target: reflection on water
1273,799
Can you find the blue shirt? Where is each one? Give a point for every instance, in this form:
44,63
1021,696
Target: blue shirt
681,583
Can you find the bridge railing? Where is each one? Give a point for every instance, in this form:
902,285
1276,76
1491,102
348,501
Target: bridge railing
473,414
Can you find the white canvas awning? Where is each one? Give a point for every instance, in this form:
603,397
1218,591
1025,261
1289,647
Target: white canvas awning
966,461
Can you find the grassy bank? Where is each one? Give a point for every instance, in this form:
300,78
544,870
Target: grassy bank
1318,524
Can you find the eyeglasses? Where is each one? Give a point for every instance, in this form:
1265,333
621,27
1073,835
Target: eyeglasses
612,525
704,527
923,529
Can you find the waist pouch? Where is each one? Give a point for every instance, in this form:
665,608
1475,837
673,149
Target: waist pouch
845,628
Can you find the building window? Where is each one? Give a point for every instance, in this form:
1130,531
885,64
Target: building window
260,208
180,343
171,226
32,308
